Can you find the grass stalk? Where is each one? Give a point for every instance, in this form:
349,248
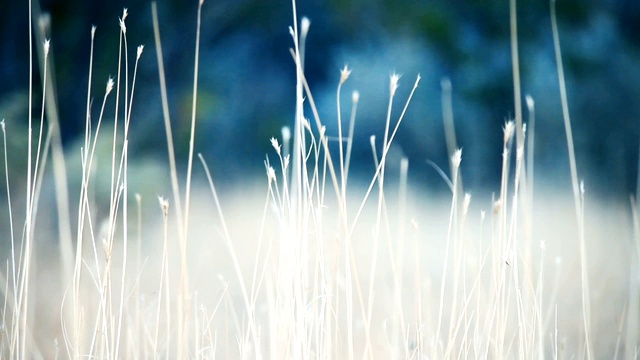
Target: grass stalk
236,265
578,190
455,161
184,295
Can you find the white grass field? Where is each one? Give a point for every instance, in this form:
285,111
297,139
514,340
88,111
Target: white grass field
305,263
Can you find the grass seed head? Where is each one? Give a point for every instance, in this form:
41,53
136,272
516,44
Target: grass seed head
109,86
393,84
123,27
286,161
466,203
271,174
530,103
344,74
140,48
164,205
456,159
46,46
274,143
286,134
497,205
305,23
508,130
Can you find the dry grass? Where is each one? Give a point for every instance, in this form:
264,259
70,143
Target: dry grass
305,264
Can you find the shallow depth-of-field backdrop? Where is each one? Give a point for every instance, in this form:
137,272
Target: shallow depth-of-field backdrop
247,81
447,223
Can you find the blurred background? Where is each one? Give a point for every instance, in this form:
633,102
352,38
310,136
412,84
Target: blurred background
247,80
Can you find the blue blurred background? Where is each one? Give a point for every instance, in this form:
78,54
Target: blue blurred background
247,79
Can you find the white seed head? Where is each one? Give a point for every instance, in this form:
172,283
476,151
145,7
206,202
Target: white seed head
372,140
140,48
286,162
109,85
582,187
123,27
164,205
271,174
93,31
138,197
497,205
355,97
393,83
465,203
530,103
306,124
286,134
508,130
456,158
274,143
344,74
404,164
305,23
46,46
2,125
